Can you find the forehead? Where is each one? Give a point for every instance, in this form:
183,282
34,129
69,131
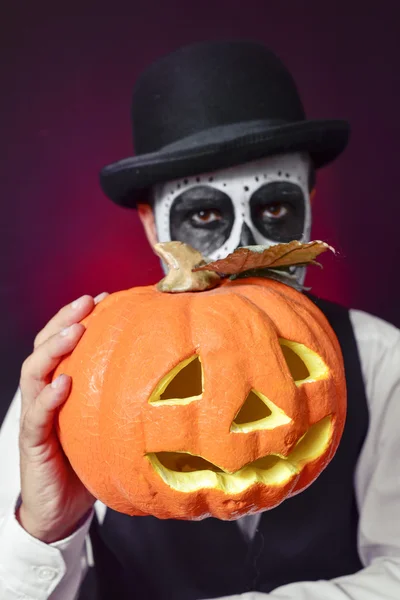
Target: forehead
285,167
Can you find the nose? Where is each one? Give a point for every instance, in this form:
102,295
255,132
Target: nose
246,236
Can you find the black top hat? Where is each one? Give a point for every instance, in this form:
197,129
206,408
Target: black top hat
214,105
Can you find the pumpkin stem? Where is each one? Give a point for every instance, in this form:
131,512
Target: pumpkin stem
181,259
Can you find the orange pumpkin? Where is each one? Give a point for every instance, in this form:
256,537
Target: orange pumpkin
215,403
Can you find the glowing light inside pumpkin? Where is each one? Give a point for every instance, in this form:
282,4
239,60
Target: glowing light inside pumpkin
259,412
305,365
182,385
187,473
248,419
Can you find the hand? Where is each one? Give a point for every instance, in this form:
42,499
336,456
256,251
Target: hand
53,498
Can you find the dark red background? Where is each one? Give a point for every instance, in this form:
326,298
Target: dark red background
67,71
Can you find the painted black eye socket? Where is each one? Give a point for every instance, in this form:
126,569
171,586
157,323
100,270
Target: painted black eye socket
203,217
278,211
209,206
200,198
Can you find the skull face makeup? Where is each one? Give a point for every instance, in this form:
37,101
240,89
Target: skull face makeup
261,202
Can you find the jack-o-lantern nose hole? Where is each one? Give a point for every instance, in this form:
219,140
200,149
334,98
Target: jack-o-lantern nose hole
258,412
252,410
297,367
181,385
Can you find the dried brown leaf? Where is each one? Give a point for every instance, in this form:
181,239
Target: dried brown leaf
259,257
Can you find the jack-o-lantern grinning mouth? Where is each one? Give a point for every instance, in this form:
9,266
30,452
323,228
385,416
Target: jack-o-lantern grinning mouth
187,473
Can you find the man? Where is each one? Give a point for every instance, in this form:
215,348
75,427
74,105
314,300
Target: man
225,157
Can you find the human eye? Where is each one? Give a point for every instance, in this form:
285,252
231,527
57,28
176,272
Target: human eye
274,211
204,217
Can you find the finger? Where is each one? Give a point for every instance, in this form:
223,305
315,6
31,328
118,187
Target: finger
42,362
37,422
100,297
72,313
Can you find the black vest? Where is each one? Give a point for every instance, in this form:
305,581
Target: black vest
308,537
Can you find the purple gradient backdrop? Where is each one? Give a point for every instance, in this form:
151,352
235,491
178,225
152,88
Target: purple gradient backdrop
67,74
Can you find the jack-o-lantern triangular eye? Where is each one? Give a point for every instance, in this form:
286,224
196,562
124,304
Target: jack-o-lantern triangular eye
181,385
304,364
297,366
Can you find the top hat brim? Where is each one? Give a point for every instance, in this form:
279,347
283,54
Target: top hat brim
128,181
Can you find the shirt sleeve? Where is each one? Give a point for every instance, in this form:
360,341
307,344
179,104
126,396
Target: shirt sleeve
377,479
29,568
32,570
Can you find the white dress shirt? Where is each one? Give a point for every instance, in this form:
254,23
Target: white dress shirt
32,570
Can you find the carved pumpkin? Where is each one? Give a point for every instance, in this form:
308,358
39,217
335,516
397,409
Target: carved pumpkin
217,403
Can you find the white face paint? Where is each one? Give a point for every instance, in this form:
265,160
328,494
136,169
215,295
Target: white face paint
261,202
